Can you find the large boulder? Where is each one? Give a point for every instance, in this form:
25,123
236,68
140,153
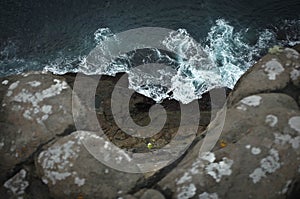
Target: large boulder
34,109
71,171
257,154
278,71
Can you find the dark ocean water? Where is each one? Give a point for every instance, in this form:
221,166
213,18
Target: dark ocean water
58,34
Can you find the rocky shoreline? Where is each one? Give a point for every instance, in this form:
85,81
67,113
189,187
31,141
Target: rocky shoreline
256,155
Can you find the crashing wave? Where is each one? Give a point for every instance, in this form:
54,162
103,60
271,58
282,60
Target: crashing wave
176,67
200,68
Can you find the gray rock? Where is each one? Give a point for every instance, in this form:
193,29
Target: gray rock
70,170
34,109
277,72
149,194
251,150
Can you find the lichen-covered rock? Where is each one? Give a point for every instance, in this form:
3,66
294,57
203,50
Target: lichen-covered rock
277,72
34,108
70,170
258,164
17,185
257,154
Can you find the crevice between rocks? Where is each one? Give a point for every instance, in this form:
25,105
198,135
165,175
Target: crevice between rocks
68,131
289,90
294,190
29,160
29,163
152,181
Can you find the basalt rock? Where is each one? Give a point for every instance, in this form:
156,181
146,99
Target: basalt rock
34,109
251,149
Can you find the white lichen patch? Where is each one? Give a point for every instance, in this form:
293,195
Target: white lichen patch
253,100
13,85
188,175
206,195
248,146
198,163
273,68
294,74
282,139
35,98
207,162
186,192
185,178
268,165
17,184
271,163
79,182
11,88
255,150
208,156
217,169
27,115
17,108
4,82
271,120
294,123
241,107
32,100
257,174
295,142
291,53
47,109
222,168
57,160
34,83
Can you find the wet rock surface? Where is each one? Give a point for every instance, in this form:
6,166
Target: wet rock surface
249,150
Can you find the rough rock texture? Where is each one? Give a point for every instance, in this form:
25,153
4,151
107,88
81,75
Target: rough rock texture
258,152
36,117
276,72
139,106
254,155
149,194
34,109
70,170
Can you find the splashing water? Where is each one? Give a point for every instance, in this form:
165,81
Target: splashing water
220,63
195,68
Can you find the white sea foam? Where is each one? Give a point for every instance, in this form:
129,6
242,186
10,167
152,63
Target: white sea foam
199,69
217,61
